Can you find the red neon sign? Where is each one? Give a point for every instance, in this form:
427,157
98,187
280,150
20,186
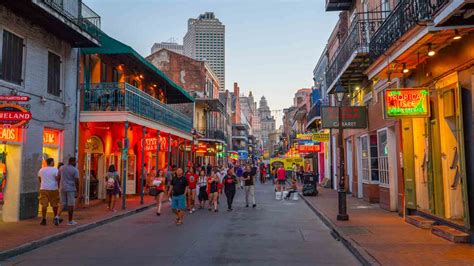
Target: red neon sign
50,137
14,98
201,148
309,148
10,134
14,115
151,144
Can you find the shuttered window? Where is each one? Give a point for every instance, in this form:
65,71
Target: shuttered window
11,62
54,74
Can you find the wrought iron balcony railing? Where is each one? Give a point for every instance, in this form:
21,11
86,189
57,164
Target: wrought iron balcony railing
77,12
213,133
123,97
338,5
363,26
406,15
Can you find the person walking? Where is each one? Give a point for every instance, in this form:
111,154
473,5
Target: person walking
300,174
249,184
192,178
159,183
239,172
177,191
202,189
209,169
112,186
213,189
68,176
230,183
49,191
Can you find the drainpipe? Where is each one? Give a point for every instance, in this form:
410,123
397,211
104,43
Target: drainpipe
78,102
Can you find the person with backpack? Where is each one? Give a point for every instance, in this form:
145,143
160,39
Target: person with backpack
112,186
230,181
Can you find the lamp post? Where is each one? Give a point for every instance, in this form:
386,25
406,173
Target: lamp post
340,92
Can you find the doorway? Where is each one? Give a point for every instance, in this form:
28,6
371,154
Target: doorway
349,163
94,170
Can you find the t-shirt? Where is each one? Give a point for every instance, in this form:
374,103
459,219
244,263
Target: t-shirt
48,177
281,174
69,174
239,172
179,185
230,182
248,182
192,180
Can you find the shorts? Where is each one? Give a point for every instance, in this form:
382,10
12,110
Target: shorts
203,194
68,198
281,182
178,202
190,190
49,197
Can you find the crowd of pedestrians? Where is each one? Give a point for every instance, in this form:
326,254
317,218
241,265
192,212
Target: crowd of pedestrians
205,185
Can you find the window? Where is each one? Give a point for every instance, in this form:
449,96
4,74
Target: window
11,62
374,160
115,75
54,74
365,158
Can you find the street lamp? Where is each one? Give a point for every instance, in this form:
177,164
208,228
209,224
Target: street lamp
340,93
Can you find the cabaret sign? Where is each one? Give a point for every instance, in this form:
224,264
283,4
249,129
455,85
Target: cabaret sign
406,103
352,117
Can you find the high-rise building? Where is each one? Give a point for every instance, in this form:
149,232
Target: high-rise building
205,40
267,122
172,46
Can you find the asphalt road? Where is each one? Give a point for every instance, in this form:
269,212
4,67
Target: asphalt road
274,233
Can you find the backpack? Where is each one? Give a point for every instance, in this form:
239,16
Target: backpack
110,184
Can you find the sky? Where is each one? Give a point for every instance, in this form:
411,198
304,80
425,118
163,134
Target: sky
272,46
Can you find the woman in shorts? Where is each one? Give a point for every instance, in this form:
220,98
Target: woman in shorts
112,186
213,188
159,182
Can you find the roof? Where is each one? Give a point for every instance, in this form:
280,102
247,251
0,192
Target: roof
112,46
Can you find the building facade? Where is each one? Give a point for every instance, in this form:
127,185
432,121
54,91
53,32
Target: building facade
172,46
41,69
210,117
267,125
205,40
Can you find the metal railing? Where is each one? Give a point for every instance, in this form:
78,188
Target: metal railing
362,28
123,97
77,12
406,15
315,111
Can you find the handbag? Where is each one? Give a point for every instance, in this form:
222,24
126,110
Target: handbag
153,191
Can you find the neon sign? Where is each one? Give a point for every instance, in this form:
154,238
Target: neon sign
50,137
309,148
10,134
151,144
14,115
407,103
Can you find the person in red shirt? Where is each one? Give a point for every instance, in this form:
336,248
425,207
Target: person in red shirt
281,178
159,182
192,179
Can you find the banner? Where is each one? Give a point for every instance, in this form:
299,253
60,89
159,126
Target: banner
406,102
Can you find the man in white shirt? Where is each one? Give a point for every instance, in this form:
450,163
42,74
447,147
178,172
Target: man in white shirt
49,190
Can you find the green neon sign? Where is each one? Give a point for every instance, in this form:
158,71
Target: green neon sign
407,103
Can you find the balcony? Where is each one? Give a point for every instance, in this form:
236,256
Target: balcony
313,115
351,60
338,5
70,20
214,134
123,97
405,16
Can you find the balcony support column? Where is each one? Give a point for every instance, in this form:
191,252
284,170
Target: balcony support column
185,154
169,153
142,177
158,146
124,166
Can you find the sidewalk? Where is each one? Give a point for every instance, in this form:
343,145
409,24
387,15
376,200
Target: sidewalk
383,237
19,237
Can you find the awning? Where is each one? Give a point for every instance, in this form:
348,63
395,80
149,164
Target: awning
175,94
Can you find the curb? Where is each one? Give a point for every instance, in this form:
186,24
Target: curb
53,238
360,253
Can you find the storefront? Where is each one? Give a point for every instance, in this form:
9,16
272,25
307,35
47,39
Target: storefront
210,152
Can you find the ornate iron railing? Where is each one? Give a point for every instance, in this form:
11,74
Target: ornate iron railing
77,12
406,15
362,28
123,97
315,111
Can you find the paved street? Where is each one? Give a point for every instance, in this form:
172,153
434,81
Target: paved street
275,233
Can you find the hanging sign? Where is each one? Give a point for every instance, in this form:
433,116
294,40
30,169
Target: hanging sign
10,134
233,155
201,148
406,103
309,148
14,115
151,144
315,137
352,117
14,98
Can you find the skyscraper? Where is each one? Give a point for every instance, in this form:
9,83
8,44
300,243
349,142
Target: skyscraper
172,46
205,40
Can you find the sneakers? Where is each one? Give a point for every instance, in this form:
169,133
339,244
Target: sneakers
43,222
255,205
193,210
246,206
57,220
72,223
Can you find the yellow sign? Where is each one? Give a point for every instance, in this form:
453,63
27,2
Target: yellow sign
316,137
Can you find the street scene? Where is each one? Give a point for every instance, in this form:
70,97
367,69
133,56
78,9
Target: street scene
236,132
